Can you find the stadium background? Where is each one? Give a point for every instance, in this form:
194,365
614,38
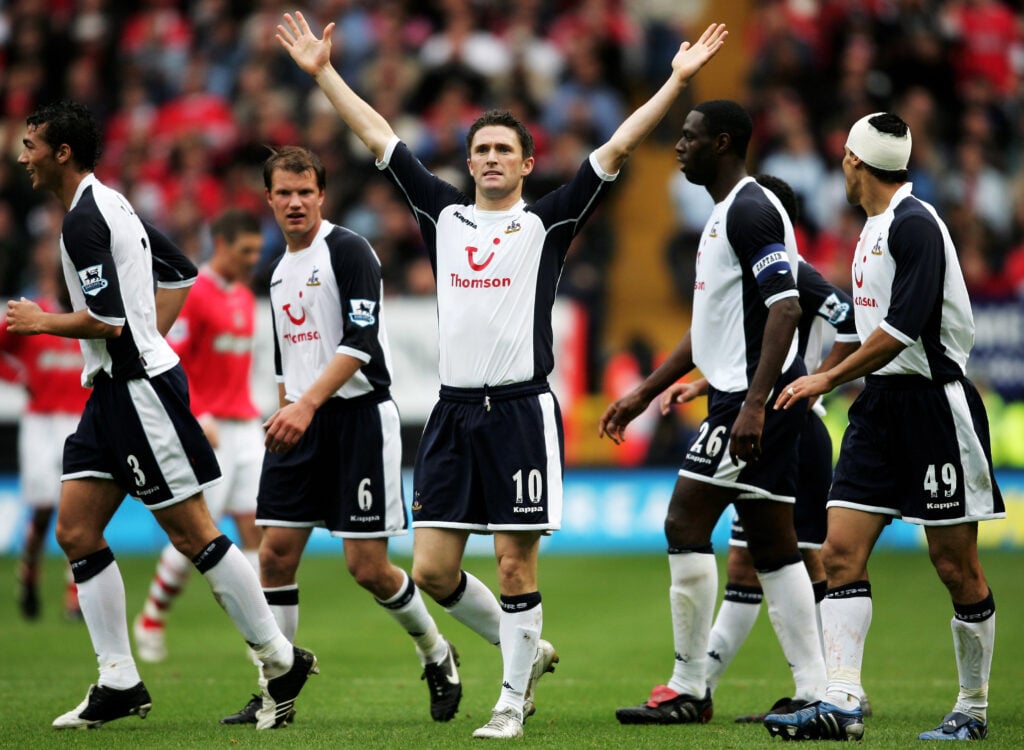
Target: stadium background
191,93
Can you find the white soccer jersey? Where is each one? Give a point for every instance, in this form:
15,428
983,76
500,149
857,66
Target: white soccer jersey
496,271
746,261
110,258
325,301
907,280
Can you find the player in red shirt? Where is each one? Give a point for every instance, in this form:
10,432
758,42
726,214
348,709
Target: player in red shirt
50,368
213,336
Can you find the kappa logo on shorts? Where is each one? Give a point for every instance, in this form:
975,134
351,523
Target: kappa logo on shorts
92,280
362,312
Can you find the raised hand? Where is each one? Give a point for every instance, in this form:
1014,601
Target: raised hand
308,52
692,57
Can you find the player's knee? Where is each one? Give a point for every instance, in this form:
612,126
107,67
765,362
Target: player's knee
679,533
960,575
435,580
369,574
277,566
76,540
839,563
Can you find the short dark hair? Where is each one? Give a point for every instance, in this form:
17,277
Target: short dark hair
296,159
235,222
886,122
506,119
71,123
783,192
731,118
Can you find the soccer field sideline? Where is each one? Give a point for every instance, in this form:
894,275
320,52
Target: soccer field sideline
604,511
607,615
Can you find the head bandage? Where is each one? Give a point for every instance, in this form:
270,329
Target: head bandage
884,151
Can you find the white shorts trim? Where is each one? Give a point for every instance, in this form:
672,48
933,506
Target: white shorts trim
746,491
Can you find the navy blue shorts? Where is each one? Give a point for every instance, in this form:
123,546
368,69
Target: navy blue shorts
491,460
774,476
345,473
918,450
141,434
815,476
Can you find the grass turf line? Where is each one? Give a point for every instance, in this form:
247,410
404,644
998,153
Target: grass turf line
608,617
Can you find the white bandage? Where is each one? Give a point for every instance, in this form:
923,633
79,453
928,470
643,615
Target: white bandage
884,151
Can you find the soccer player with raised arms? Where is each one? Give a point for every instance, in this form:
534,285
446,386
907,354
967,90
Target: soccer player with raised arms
490,460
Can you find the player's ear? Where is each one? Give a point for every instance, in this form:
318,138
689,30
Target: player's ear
527,167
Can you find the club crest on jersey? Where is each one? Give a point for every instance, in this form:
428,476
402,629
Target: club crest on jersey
877,249
714,229
515,226
362,312
92,280
314,278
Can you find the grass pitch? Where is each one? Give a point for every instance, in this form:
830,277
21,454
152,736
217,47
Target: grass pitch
608,617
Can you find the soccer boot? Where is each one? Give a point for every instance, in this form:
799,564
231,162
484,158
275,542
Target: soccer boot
150,644
279,694
103,704
865,706
781,706
248,713
957,726
545,661
817,721
445,686
505,724
666,706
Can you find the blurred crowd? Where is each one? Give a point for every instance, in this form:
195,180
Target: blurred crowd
953,69
192,93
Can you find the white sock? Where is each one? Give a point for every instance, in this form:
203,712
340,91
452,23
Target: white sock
474,606
845,620
237,589
284,605
736,617
692,598
172,571
522,620
409,611
973,642
791,608
101,598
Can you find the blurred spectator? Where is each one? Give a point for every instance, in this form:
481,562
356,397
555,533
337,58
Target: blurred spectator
584,101
537,63
976,189
605,27
155,41
196,113
793,156
985,34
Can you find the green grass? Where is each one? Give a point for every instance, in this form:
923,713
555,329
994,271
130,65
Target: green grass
608,617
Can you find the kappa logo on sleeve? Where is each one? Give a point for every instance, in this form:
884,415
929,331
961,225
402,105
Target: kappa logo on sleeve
92,280
362,312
